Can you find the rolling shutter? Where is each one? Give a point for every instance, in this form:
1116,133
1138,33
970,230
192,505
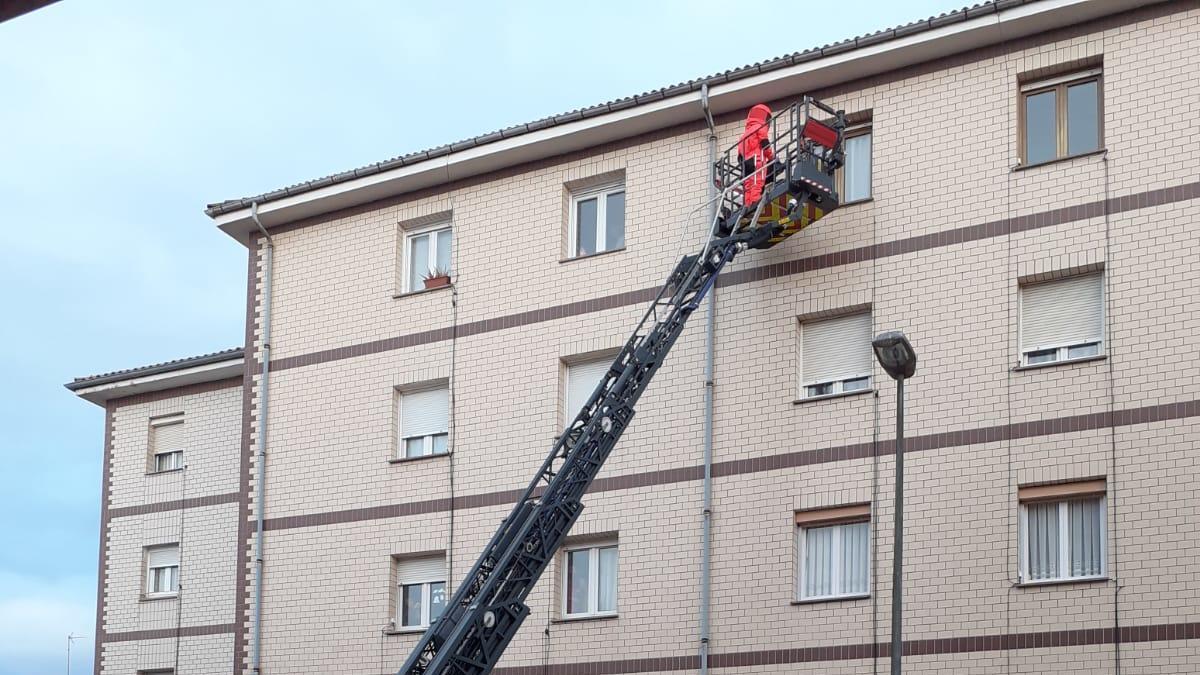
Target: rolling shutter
836,349
424,413
168,438
582,379
1061,313
421,570
162,556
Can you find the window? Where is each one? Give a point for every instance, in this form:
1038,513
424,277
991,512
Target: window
597,220
166,443
835,355
582,379
855,175
1063,532
420,590
162,571
426,254
424,423
590,580
1062,320
1061,117
834,552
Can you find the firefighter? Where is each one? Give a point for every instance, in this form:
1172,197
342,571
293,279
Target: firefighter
755,153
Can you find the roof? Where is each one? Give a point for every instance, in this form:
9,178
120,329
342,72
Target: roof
11,9
690,86
155,368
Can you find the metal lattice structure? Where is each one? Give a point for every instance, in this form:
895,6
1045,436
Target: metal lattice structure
489,606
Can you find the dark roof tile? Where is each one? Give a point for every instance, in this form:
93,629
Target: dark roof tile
155,368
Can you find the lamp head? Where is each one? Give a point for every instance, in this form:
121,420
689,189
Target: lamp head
895,354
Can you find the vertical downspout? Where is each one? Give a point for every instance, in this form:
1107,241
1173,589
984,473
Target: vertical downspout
261,450
709,330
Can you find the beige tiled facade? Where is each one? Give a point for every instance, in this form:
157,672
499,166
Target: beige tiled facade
951,233
143,509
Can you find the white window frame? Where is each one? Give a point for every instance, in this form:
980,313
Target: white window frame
1062,351
1064,542
600,194
175,462
428,450
177,454
431,230
428,439
864,129
150,572
426,605
838,386
836,572
593,550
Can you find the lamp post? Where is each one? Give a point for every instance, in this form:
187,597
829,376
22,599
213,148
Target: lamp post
898,359
71,637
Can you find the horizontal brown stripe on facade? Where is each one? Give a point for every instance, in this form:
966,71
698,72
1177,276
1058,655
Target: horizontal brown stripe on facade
163,633
949,439
173,505
959,645
924,242
468,329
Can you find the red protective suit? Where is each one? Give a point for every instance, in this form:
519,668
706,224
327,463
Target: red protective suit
755,153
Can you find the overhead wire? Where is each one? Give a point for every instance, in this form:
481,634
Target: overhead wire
179,574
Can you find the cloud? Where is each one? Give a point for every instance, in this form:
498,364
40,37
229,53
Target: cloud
36,614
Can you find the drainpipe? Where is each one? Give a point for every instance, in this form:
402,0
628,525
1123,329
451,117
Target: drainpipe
709,330
261,450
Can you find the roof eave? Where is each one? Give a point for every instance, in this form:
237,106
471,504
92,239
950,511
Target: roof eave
861,58
101,390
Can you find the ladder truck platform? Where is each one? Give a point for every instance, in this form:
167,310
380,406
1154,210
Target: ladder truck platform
797,189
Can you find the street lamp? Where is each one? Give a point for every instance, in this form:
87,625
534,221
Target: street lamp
71,637
896,355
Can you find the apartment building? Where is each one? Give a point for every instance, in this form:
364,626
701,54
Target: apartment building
1022,198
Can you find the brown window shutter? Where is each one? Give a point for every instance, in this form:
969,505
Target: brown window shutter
832,516
1058,491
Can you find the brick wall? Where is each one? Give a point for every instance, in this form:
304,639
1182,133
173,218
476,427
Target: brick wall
945,144
196,508
940,251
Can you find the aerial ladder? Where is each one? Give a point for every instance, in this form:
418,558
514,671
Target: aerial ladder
488,607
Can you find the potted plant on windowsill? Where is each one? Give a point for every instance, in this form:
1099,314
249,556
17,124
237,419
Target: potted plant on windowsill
436,278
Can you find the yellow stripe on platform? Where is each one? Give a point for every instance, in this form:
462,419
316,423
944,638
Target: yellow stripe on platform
805,216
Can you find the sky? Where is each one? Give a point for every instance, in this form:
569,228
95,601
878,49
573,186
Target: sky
120,120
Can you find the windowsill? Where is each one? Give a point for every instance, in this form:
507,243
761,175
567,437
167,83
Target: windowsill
155,598
413,630
1064,362
421,291
405,460
1059,160
591,255
588,617
856,202
826,397
836,598
159,473
1061,582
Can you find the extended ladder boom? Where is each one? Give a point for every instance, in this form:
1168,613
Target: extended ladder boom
489,606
